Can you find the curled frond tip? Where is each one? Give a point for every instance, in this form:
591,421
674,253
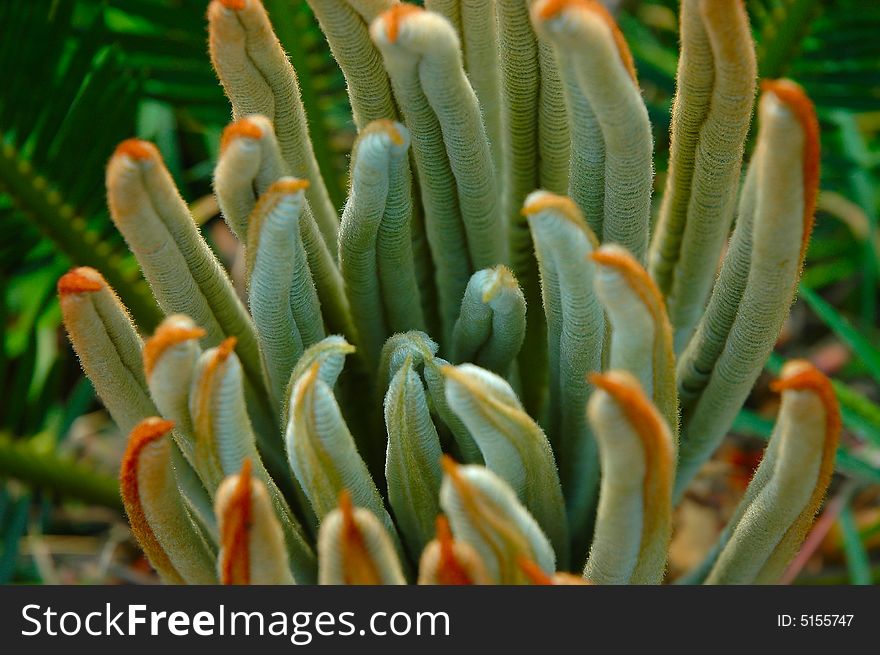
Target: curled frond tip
80,280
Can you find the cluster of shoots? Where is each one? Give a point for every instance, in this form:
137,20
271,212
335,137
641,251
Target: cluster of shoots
494,367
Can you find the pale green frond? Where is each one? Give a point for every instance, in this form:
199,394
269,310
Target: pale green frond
224,439
412,461
520,115
250,161
637,451
584,32
444,228
375,247
738,331
782,499
641,336
422,349
195,497
425,42
184,274
155,511
484,512
475,24
491,325
513,446
586,176
347,28
322,452
251,539
107,344
259,79
575,338
715,88
281,294
170,357
355,548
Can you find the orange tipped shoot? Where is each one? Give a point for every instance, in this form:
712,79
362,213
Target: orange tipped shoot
563,204
225,349
358,565
233,5
235,537
388,127
564,207
394,16
347,509
794,98
553,8
144,434
646,421
240,129
136,149
449,570
289,185
80,280
637,277
449,466
809,378
533,572
166,336
625,391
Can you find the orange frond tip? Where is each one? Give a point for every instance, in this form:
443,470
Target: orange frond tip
142,435
628,394
444,532
305,382
226,348
351,531
394,17
137,150
533,572
80,280
358,563
167,335
621,260
246,467
346,506
799,104
449,466
243,128
387,127
235,537
233,5
146,433
552,8
800,375
563,204
449,570
394,134
596,379
148,430
289,185
504,279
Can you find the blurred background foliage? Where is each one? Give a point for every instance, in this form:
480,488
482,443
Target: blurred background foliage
81,75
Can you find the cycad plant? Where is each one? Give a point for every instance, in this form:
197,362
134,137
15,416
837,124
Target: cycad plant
489,370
